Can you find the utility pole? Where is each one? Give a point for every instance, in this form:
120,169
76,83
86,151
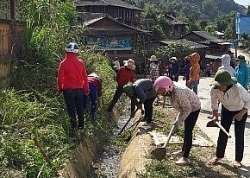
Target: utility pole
235,34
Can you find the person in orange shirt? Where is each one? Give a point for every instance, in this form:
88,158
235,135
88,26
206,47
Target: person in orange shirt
194,74
72,81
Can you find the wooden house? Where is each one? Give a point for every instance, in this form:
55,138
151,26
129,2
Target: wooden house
215,47
178,27
119,10
11,36
116,39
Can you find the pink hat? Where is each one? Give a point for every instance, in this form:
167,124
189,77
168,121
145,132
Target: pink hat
163,82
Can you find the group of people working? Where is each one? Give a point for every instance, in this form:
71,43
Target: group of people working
73,81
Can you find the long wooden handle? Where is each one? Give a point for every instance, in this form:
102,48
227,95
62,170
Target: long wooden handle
223,129
169,136
119,133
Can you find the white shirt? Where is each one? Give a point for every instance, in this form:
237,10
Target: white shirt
233,99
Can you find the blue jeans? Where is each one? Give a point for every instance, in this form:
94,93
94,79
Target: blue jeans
93,95
194,86
74,102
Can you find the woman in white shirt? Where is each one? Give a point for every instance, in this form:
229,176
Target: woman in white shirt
235,103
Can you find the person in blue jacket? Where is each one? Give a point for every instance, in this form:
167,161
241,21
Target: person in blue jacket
241,72
173,69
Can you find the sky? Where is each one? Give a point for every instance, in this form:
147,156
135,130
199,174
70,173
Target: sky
242,2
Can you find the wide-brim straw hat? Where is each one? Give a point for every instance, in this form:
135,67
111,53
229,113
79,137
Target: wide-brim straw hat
223,78
153,58
130,64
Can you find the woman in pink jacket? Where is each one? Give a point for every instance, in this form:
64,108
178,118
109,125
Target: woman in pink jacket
187,103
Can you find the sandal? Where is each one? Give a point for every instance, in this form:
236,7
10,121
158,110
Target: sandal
237,164
214,161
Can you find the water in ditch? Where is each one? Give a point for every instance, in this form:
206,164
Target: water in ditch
107,165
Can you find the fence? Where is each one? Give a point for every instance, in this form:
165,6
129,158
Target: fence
11,42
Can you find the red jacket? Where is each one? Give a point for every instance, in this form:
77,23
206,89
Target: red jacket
72,73
97,82
124,76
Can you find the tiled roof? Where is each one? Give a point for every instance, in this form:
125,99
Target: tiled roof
117,3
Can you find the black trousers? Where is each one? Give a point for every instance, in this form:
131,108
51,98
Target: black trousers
116,97
188,132
148,106
74,102
239,130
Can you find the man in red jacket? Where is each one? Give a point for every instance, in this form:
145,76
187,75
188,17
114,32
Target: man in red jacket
125,74
72,80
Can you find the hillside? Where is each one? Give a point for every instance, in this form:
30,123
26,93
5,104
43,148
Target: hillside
194,9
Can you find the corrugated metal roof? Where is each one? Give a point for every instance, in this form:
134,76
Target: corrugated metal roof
207,36
192,44
117,3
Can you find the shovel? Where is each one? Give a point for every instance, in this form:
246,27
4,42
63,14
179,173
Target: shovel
160,153
123,128
217,124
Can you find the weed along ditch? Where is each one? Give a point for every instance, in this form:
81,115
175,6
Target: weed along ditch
128,153
101,158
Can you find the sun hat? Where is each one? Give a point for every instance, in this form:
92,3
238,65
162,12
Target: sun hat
153,58
223,78
128,89
130,64
173,58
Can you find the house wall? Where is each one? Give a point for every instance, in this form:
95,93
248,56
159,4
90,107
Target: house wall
11,36
195,38
127,16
